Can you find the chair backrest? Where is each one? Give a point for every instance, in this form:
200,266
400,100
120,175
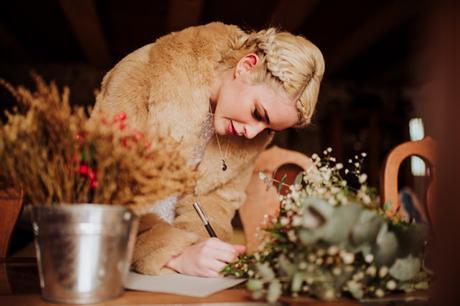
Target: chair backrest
10,208
261,203
424,149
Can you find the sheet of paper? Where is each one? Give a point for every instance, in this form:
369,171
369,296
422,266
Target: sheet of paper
180,284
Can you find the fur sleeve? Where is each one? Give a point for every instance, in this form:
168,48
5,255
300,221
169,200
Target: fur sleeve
160,241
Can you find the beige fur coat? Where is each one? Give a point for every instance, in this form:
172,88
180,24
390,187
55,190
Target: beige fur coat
164,87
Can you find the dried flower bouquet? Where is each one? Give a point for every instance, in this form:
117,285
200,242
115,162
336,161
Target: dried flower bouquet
57,154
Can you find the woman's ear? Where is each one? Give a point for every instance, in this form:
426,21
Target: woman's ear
246,64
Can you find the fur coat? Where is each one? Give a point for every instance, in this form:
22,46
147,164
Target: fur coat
164,87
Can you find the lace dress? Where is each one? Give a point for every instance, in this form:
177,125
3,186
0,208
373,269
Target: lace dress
165,208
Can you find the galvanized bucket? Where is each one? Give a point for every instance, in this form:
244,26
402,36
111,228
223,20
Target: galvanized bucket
83,251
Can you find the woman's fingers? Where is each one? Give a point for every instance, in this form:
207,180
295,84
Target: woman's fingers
216,266
239,248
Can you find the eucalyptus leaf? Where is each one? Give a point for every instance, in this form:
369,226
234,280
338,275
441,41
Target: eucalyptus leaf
386,246
265,271
319,205
366,228
355,289
281,183
406,268
254,284
297,281
337,229
274,291
299,178
307,237
286,265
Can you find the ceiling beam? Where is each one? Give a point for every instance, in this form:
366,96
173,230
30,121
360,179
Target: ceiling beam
289,15
184,13
86,25
387,18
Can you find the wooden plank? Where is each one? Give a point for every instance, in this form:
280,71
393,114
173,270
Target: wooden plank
289,15
183,14
86,25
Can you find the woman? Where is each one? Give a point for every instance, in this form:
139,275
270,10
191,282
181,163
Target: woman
221,93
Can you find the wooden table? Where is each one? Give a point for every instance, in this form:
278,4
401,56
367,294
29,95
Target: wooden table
19,286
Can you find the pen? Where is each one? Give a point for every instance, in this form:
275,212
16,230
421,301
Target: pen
204,219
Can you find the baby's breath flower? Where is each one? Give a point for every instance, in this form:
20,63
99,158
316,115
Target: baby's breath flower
336,271
379,293
292,236
339,166
364,154
329,149
362,178
371,270
332,250
391,285
369,258
348,258
284,221
383,271
302,265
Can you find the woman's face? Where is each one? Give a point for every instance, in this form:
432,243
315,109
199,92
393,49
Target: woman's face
245,109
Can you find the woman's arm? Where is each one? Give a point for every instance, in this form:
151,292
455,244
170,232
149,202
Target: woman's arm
163,242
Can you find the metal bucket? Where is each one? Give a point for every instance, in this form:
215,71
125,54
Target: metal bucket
83,251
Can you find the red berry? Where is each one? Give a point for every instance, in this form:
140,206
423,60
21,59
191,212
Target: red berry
122,116
138,135
92,174
83,170
94,184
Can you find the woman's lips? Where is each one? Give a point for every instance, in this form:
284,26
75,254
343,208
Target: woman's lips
231,129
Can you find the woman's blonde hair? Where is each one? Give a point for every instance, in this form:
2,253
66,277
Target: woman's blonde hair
290,61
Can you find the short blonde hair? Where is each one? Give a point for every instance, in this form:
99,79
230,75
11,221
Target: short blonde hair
290,61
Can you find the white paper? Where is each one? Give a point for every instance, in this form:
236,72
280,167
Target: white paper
180,284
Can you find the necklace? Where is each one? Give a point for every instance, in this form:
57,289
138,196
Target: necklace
222,156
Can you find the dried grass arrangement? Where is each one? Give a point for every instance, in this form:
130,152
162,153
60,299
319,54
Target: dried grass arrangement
57,154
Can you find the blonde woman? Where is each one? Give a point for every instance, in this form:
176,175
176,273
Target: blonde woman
220,92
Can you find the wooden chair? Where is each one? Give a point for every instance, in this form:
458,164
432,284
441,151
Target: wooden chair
10,209
424,149
260,202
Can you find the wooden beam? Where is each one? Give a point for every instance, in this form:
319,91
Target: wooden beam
289,15
184,13
371,31
85,23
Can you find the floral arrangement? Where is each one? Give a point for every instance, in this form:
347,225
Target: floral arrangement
57,154
331,240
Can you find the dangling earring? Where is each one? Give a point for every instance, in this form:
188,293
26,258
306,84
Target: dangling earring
222,156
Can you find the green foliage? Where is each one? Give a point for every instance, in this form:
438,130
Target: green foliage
331,240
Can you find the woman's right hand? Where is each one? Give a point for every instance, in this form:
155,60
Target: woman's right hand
206,258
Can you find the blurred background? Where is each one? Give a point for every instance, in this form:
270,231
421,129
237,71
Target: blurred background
373,51
381,59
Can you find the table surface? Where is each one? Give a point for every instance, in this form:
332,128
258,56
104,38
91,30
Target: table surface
19,286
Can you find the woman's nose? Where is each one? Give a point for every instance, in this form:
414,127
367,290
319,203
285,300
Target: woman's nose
252,130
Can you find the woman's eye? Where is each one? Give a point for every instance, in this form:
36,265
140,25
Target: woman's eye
257,116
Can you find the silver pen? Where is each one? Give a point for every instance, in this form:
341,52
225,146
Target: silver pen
204,219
